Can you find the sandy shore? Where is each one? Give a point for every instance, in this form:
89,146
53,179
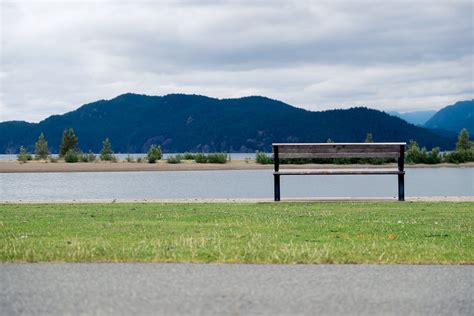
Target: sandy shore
43,166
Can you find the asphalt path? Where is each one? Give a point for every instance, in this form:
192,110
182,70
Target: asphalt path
234,289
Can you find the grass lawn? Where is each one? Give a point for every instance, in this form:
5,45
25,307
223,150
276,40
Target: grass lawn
376,232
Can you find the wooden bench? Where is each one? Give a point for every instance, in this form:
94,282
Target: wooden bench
340,150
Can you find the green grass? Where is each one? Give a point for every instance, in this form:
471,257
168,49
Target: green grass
378,232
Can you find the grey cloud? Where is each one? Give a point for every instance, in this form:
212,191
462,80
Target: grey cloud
314,54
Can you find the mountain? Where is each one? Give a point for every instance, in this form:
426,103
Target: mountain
454,117
415,118
181,123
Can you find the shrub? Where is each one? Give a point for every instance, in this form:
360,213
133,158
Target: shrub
189,156
129,159
217,158
345,161
423,155
174,159
413,154
72,156
24,155
154,154
41,148
460,156
433,156
262,158
200,158
83,157
89,157
139,159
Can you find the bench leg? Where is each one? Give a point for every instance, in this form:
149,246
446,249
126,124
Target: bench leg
401,187
276,182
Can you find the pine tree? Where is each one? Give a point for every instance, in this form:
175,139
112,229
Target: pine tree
41,148
413,153
69,141
106,153
463,140
63,148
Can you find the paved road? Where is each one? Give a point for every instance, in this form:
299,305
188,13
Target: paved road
167,289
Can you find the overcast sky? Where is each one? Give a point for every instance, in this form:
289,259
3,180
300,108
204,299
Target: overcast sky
404,55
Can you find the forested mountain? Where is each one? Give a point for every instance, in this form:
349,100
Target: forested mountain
454,117
181,123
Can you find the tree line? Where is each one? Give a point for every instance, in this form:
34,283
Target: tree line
69,151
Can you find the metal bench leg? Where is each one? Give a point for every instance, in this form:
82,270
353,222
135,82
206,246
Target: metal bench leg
276,181
401,187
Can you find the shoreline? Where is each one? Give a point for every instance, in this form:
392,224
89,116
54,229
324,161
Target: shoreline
453,199
9,166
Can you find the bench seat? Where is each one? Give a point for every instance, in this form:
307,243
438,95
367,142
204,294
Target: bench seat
339,150
338,171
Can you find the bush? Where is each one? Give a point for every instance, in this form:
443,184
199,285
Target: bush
460,156
154,154
189,156
434,156
200,158
423,155
174,159
346,161
89,157
217,158
24,155
139,159
129,159
211,158
262,158
83,157
72,156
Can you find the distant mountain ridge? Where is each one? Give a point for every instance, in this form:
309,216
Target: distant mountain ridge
180,122
454,117
415,117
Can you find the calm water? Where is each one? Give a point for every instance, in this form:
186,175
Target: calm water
233,156
228,184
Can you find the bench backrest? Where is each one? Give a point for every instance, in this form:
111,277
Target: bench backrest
338,150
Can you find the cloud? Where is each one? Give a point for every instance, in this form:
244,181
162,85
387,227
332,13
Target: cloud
404,55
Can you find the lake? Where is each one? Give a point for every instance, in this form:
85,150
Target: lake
228,184
233,156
